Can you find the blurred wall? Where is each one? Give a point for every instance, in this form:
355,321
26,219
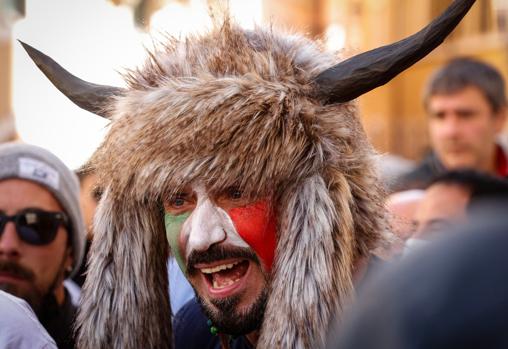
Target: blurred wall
10,11
393,115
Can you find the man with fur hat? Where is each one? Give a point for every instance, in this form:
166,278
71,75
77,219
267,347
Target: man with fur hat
41,234
244,151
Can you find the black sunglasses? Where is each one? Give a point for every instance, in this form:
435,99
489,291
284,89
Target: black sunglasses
35,226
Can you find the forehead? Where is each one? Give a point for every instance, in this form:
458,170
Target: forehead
467,97
405,204
88,182
443,201
17,194
200,189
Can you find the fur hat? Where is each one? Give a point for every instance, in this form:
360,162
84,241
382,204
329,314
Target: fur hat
256,109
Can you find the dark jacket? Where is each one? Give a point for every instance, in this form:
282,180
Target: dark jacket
191,330
59,320
420,177
451,294
431,167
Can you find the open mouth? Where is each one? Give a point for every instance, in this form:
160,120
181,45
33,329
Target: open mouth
225,276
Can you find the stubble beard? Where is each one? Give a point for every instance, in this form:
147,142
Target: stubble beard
30,293
37,298
224,316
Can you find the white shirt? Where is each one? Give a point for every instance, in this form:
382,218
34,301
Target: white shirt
19,327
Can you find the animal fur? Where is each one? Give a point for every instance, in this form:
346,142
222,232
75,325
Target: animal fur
231,107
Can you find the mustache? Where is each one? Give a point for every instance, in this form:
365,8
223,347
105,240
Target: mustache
217,252
16,270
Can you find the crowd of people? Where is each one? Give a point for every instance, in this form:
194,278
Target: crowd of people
235,203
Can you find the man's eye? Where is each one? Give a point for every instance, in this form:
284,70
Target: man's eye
438,115
468,114
234,193
178,202
97,194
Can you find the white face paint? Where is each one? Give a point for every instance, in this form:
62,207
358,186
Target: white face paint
207,225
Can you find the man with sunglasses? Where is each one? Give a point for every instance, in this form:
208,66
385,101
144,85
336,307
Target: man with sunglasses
41,234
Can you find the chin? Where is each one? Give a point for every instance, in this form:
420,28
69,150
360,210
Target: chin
232,288
234,315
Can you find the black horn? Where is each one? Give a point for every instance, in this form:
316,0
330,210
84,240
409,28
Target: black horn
366,71
92,97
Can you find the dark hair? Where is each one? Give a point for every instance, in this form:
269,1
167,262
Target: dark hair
82,173
460,73
481,185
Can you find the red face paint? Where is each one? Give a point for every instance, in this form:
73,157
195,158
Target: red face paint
256,225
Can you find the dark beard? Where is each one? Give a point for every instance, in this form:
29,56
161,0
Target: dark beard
228,321
32,295
39,300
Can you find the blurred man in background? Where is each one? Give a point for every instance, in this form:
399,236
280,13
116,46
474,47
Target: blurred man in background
41,234
89,196
401,208
466,104
446,201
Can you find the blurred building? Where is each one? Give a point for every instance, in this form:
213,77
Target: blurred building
393,115
10,11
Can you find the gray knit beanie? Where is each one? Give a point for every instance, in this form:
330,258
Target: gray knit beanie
36,164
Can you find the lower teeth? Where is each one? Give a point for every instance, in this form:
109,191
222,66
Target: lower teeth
224,284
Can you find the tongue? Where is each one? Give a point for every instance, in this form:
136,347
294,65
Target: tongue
227,277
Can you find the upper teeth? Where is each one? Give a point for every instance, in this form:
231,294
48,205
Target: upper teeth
218,268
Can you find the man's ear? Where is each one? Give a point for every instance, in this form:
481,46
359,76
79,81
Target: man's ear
500,119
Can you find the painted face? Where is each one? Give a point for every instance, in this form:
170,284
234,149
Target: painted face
195,226
226,248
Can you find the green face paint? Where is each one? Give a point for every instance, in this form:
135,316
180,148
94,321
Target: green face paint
173,228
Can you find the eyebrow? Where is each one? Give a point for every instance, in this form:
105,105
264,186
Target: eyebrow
458,110
181,194
441,222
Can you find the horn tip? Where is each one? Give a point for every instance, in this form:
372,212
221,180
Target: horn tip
29,49
24,44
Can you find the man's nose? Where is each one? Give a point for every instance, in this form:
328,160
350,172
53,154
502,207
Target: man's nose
9,241
207,227
450,126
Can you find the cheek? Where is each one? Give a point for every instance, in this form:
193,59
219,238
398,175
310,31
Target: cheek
173,226
257,227
481,133
47,261
437,130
